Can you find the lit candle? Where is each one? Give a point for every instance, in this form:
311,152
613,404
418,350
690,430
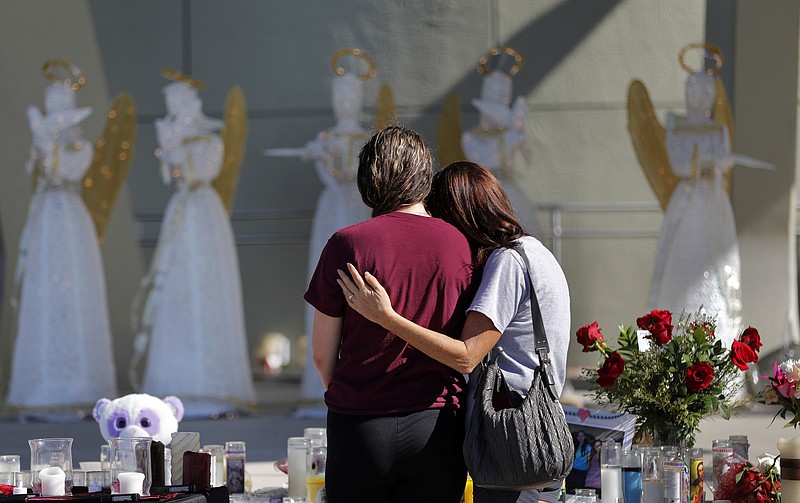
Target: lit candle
53,479
790,469
130,482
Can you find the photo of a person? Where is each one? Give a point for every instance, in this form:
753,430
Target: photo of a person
580,466
593,472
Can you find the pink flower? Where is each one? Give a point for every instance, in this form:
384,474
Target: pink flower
784,386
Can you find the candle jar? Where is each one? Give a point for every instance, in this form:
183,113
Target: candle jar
632,475
611,472
585,496
676,476
315,472
9,463
297,447
318,436
721,449
740,446
235,456
96,480
696,475
652,475
47,453
128,456
217,463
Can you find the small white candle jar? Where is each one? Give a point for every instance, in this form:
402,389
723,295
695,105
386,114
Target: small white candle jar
130,455
50,453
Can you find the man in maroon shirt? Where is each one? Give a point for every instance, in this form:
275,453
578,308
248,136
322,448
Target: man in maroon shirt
395,425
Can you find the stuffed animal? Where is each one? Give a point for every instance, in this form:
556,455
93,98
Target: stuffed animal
139,415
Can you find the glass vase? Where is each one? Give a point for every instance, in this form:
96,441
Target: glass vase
672,435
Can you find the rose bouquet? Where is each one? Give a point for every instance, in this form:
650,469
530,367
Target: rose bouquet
669,376
742,482
784,391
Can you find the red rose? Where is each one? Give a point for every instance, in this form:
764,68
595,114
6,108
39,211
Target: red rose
699,376
659,324
751,337
656,317
661,334
742,354
588,335
6,489
611,369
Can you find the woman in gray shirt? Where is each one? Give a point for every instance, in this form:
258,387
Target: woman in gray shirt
470,198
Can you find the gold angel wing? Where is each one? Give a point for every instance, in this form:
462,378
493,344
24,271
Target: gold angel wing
448,136
649,141
722,108
233,134
113,153
386,111
724,115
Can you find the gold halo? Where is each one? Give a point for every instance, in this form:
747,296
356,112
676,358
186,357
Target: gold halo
338,70
181,77
713,50
72,71
496,51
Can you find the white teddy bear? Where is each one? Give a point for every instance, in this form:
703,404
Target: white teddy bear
139,415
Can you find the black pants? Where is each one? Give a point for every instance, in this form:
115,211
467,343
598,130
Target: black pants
481,495
408,457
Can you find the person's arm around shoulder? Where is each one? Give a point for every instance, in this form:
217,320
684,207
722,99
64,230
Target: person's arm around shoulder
368,297
325,343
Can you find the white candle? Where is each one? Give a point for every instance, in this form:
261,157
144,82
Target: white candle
790,454
130,482
53,479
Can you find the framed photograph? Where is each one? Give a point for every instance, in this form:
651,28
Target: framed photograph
590,428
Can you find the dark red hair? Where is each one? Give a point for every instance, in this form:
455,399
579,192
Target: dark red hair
469,197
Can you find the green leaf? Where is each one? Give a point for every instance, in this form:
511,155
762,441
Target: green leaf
724,411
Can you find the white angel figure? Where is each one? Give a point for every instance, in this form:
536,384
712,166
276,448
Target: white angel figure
335,155
698,264
62,358
502,133
188,315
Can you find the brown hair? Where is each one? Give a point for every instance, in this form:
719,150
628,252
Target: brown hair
470,198
395,168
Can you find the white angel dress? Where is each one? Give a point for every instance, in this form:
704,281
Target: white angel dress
501,135
62,357
193,317
698,261
335,155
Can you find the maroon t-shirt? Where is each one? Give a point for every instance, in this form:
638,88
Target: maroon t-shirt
425,265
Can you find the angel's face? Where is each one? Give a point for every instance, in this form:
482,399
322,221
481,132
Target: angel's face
348,97
182,100
700,93
496,88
